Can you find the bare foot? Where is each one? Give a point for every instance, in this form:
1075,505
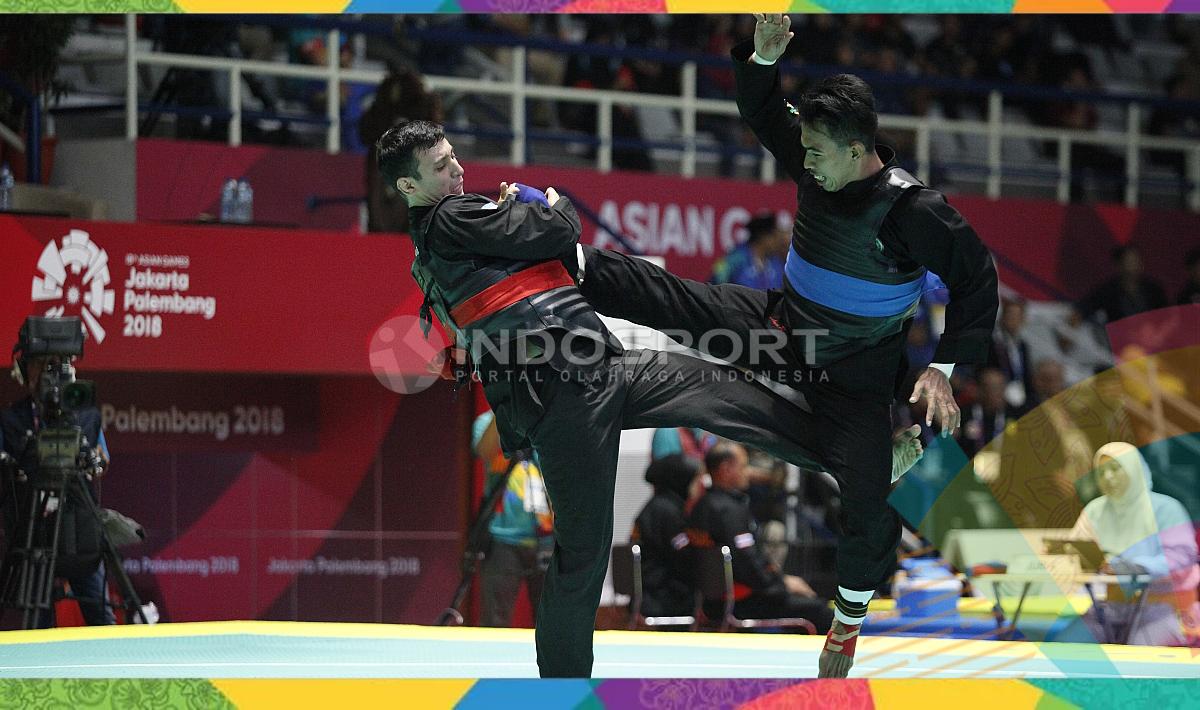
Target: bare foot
906,450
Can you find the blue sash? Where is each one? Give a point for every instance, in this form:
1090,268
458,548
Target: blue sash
848,293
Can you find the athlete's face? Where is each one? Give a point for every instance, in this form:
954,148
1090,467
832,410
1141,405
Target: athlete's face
831,164
438,175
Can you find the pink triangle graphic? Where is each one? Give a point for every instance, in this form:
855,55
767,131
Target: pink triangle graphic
1133,6
615,6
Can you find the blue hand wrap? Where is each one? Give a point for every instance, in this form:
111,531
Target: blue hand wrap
526,193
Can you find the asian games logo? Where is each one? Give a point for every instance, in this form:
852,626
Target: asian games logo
73,278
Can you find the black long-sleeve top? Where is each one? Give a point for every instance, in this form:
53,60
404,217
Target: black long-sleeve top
666,568
722,517
921,228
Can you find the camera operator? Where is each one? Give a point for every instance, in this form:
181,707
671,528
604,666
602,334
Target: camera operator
19,426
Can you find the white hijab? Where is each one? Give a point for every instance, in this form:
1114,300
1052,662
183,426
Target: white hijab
1120,523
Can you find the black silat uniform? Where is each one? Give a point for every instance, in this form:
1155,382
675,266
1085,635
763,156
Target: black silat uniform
573,413
722,517
666,567
854,274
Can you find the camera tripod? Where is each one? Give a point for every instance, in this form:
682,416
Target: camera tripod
28,571
477,540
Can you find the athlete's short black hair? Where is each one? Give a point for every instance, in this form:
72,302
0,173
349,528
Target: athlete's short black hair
397,148
843,106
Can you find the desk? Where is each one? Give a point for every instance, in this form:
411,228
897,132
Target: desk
966,548
1027,579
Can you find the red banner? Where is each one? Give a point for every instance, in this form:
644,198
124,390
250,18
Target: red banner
155,412
1045,250
207,299
331,530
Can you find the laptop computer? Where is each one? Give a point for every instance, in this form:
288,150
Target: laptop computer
1091,557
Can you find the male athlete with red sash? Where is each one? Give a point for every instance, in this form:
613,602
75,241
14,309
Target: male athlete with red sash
502,277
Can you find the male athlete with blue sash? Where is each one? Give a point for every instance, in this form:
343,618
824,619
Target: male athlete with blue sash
866,236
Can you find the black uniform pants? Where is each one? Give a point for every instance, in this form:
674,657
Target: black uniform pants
851,424
575,426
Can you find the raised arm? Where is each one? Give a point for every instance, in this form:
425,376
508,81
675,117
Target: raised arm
759,98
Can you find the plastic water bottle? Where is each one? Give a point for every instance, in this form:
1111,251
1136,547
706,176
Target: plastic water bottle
7,182
245,202
229,200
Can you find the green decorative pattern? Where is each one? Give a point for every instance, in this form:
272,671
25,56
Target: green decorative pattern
82,6
118,694
198,694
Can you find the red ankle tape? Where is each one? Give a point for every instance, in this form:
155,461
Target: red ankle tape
844,642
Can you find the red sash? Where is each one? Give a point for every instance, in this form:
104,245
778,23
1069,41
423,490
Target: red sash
523,284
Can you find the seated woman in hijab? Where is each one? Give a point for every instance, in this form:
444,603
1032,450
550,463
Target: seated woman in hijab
659,529
1140,531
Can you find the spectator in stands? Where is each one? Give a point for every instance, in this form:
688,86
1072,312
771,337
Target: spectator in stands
1010,352
1191,290
823,34
691,443
948,54
588,71
988,417
1174,122
401,96
1104,168
1145,532
766,476
627,125
1048,380
522,530
191,88
758,261
660,530
1080,346
887,31
441,56
722,517
889,97
307,46
392,47
1128,293
716,82
1097,29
